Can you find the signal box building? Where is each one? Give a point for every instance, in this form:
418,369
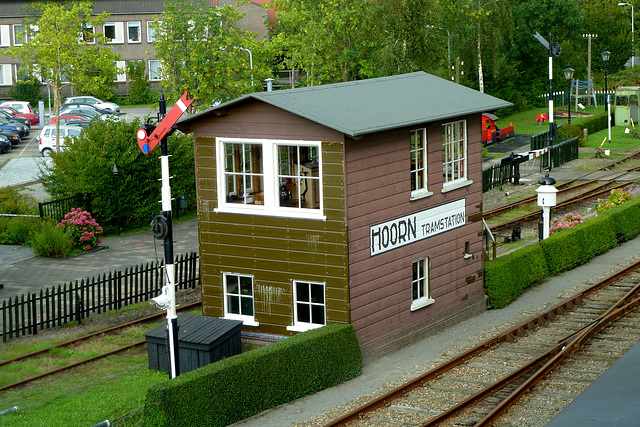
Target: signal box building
358,202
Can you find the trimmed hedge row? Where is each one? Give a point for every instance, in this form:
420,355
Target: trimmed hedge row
238,387
507,277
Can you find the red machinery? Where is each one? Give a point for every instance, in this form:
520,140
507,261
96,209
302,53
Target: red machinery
491,133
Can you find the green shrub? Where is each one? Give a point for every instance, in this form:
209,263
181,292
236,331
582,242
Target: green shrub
16,201
51,241
17,230
236,388
139,87
27,88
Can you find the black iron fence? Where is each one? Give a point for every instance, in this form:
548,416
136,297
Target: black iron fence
58,305
57,209
564,152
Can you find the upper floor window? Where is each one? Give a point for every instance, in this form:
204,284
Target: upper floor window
418,162
152,30
88,34
454,152
239,298
420,289
4,36
19,35
133,32
114,32
309,309
270,177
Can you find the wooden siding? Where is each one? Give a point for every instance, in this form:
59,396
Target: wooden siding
378,190
274,250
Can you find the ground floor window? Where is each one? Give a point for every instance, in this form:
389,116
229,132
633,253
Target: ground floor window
309,310
420,289
238,298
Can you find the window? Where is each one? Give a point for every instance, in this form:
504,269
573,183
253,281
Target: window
270,177
151,30
308,306
121,73
454,152
155,69
88,34
5,75
133,32
419,163
420,292
238,298
19,35
4,36
114,32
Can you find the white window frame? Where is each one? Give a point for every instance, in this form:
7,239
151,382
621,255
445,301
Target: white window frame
421,283
19,41
269,158
418,153
246,319
118,28
90,29
134,24
299,326
157,72
5,36
454,154
6,77
121,73
151,32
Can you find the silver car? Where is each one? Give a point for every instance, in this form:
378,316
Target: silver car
47,137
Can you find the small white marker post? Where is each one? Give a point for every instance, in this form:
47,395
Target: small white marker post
546,199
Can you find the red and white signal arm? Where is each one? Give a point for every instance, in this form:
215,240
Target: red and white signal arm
148,142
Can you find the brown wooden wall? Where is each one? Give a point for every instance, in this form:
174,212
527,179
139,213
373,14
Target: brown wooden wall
378,190
274,250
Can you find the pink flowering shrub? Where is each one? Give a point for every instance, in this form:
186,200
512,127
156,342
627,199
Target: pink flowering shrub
569,220
83,229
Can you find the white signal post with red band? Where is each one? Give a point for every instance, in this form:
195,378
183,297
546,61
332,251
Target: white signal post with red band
147,141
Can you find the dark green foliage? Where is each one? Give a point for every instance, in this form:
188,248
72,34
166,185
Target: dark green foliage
131,198
139,87
241,386
18,230
51,241
16,201
566,132
27,89
507,277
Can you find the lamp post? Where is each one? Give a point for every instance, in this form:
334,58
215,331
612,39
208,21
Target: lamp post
448,44
116,175
605,57
633,49
250,60
568,74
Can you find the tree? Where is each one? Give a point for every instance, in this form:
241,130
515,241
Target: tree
62,48
203,50
331,40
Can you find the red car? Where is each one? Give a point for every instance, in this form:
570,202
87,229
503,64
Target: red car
34,119
66,118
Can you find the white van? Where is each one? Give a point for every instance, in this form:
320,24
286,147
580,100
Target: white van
47,137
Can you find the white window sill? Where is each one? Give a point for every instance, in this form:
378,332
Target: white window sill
417,195
302,327
275,213
455,185
246,321
420,303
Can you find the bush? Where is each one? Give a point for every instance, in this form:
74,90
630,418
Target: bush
139,87
51,241
238,387
81,229
85,168
18,230
16,201
27,89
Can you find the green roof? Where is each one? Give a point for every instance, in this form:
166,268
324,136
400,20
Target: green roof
367,106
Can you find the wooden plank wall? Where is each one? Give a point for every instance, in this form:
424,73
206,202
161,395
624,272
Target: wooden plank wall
378,190
274,250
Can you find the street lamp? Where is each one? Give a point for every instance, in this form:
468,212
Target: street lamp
633,51
116,175
568,74
448,44
605,57
250,60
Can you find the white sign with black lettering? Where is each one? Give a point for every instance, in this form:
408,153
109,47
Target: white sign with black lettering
415,227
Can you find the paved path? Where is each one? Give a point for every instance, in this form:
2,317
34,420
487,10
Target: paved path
22,170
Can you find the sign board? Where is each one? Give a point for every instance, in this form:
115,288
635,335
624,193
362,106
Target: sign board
417,226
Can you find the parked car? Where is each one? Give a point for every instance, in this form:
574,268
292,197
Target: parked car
13,137
15,119
47,137
87,111
5,144
66,118
19,128
103,111
92,100
20,106
33,118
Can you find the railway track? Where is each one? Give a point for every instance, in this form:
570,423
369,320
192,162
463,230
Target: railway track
527,373
114,348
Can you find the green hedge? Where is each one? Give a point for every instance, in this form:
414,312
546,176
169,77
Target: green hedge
507,277
238,387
